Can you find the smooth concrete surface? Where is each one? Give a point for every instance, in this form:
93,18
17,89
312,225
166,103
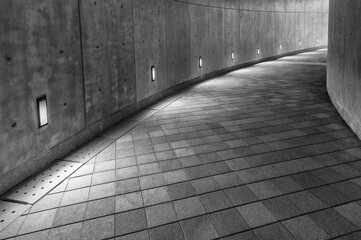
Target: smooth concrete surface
344,72
92,60
259,153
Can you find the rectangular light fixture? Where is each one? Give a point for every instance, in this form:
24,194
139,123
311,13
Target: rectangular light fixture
318,40
232,56
200,62
280,46
300,43
258,51
42,108
152,70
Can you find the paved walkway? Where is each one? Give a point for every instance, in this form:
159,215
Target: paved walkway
259,153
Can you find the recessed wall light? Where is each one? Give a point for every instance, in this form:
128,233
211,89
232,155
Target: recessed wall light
42,108
152,73
318,40
281,46
258,51
232,56
200,62
299,43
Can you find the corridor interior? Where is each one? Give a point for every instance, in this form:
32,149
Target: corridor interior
257,153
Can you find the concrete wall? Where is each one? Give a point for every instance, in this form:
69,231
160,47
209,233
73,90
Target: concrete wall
344,61
92,59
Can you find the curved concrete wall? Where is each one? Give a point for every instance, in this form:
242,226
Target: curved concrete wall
344,61
92,59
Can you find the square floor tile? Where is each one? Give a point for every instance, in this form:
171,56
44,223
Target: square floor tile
197,172
190,161
125,162
306,201
128,201
215,201
227,180
103,177
166,155
352,212
175,176
125,173
126,186
218,168
228,222
75,196
101,207
102,191
155,196
332,222
274,231
265,189
98,228
146,158
199,228
129,222
204,185
170,165
71,232
79,182
160,214
189,207
104,166
237,164
349,189
282,207
209,157
307,180
304,228
148,169
329,195
151,181
286,185
181,190
69,214
256,214
171,231
240,195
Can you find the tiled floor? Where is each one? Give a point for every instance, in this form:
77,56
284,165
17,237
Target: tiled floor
259,153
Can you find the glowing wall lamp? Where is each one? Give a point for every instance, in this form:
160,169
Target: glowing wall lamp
299,43
258,51
152,73
42,111
200,62
281,46
232,56
318,40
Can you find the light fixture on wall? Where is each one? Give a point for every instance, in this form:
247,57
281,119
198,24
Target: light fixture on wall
299,43
232,56
152,73
318,40
200,62
258,51
281,46
42,109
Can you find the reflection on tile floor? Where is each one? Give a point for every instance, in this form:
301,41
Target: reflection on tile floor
259,153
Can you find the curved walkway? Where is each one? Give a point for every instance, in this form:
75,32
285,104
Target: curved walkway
259,153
